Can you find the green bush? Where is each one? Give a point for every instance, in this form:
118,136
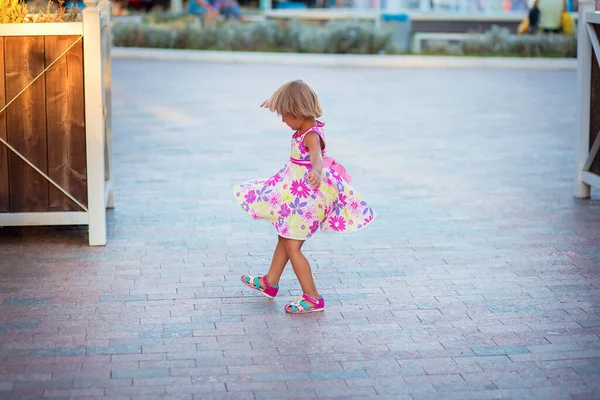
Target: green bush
499,42
337,37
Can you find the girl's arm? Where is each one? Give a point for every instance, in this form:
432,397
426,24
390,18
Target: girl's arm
313,142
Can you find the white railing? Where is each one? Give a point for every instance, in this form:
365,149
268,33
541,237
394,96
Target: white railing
519,7
588,152
94,30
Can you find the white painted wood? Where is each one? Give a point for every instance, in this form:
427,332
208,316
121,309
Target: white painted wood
593,153
470,16
593,17
94,121
594,41
42,29
584,72
107,193
591,179
108,109
45,218
419,37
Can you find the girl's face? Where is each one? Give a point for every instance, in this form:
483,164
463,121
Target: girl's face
293,122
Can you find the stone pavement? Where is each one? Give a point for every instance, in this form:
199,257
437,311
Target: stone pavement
479,279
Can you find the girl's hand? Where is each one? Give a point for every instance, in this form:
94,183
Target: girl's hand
265,104
314,178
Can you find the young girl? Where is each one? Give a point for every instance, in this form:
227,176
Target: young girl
311,191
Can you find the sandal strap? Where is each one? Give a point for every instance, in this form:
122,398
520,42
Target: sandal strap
300,302
266,282
316,302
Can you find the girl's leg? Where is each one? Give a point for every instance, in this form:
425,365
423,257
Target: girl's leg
278,264
301,267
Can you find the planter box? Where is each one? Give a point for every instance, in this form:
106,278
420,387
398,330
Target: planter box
46,124
588,59
55,123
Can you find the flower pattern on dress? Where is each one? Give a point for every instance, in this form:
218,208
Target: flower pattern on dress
300,189
294,208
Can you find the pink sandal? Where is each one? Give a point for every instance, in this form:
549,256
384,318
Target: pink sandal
253,283
300,306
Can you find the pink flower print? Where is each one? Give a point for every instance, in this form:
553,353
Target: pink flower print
337,224
299,189
272,181
285,231
368,219
351,222
342,198
254,215
284,211
314,227
329,181
274,200
354,206
250,197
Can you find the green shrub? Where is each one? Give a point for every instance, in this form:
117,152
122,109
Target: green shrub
499,42
337,37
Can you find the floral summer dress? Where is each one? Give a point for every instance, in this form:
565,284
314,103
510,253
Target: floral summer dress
294,208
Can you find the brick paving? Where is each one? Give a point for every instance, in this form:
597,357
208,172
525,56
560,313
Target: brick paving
479,280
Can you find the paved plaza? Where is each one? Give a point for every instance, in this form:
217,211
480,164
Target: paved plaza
480,278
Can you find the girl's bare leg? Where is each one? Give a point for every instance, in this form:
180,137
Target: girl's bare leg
301,267
278,264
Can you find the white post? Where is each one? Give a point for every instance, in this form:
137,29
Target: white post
108,107
265,5
584,75
378,12
94,121
176,6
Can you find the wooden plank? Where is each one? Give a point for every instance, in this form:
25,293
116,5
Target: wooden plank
65,112
4,193
595,104
26,122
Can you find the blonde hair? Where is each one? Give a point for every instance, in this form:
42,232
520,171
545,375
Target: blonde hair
296,98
